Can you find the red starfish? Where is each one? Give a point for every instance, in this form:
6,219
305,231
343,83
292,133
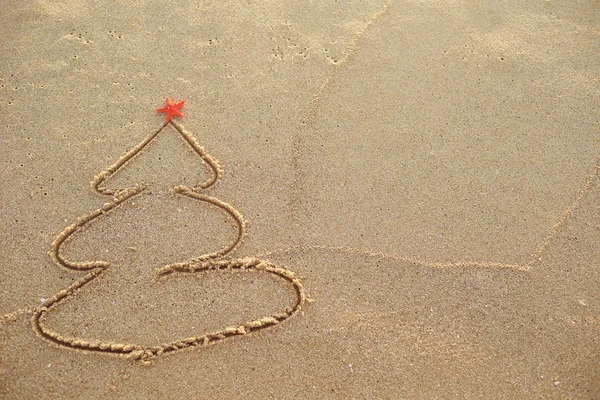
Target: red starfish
171,109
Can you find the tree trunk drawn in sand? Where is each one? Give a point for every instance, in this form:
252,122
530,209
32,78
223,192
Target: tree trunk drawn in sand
212,261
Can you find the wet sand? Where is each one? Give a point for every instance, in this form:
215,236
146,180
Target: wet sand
362,200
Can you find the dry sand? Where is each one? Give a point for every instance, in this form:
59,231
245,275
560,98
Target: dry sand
409,205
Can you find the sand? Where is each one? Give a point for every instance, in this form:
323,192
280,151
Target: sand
362,200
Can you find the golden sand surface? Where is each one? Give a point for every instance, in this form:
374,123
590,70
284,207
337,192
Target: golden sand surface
364,199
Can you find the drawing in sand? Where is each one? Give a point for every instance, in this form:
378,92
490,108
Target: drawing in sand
211,261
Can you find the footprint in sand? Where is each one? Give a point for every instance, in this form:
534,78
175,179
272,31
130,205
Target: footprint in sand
133,279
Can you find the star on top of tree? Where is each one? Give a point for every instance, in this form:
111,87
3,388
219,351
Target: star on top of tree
171,109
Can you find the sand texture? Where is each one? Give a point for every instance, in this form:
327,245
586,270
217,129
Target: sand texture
364,199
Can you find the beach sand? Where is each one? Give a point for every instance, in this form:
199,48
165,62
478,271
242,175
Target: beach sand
363,200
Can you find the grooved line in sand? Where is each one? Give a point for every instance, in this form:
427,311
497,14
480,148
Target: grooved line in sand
535,257
350,50
298,138
206,262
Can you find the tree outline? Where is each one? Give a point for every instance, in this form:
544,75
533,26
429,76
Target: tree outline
205,262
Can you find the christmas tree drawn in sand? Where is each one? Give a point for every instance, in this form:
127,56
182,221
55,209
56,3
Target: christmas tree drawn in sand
208,262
